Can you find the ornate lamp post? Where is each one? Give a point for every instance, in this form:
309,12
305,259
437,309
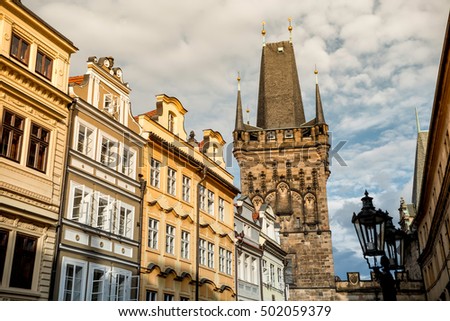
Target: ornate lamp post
375,229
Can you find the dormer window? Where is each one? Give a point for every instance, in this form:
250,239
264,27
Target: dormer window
109,104
270,135
20,49
171,123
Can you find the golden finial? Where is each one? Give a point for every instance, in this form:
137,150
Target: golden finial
316,73
239,80
263,32
290,29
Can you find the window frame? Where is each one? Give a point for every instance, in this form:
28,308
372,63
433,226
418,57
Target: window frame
153,233
104,291
221,209
37,160
155,173
46,65
22,57
186,193
17,263
185,244
171,181
12,131
170,239
210,206
210,255
62,285
128,221
88,147
128,157
111,152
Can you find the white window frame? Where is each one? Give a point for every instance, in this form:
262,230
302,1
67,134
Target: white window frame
202,192
185,243
63,282
104,291
186,193
88,147
128,161
120,292
151,295
222,259
123,226
171,181
155,173
170,239
104,220
229,262
210,255
221,209
211,202
202,249
153,233
110,158
86,207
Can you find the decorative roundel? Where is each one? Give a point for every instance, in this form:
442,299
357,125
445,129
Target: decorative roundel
119,73
106,63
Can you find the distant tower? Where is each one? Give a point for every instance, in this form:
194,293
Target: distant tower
284,163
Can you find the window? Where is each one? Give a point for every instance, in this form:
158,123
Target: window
222,259
23,262
185,238
107,152
120,285
202,192
170,239
128,162
153,233
103,212
210,255
229,262
81,200
171,181
221,209
109,104
210,202
74,279
37,152
270,135
168,297
151,295
155,172
44,65
183,298
20,49
272,274
85,143
254,271
202,249
186,189
171,123
97,283
11,136
123,224
4,235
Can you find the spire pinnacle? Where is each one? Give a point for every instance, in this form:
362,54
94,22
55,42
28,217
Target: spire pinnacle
320,119
290,30
239,124
417,121
263,32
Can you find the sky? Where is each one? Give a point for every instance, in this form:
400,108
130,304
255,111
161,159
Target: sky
377,61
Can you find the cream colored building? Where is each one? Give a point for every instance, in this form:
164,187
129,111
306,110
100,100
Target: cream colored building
34,67
100,226
188,232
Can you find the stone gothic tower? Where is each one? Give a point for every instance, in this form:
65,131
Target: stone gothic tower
283,163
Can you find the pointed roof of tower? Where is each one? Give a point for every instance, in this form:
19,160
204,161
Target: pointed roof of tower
239,124
320,118
279,101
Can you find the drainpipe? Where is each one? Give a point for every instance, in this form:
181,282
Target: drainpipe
143,188
197,259
62,207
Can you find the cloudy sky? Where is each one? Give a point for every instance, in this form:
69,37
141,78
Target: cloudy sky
377,62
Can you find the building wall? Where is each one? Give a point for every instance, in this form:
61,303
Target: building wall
168,274
433,214
99,240
30,183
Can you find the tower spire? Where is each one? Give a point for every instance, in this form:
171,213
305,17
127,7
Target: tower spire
290,30
320,119
239,124
263,32
417,121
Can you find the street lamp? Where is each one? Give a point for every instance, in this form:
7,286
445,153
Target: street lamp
375,229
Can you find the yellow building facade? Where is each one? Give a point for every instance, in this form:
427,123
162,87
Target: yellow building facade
34,67
187,226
